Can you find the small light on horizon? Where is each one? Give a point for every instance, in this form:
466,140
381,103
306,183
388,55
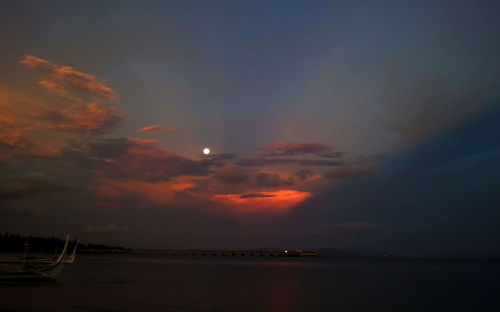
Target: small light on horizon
206,151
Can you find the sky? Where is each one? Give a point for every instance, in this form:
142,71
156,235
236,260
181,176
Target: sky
358,125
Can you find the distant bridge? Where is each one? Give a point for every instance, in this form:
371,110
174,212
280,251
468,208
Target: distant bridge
190,252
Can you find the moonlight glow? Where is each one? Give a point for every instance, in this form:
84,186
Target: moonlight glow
206,151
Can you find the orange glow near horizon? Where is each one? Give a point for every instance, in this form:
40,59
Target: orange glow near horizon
268,202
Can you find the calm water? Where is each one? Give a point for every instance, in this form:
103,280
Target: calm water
132,283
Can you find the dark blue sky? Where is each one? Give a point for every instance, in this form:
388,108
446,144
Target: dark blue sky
367,125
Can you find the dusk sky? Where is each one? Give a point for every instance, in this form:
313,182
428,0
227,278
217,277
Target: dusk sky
357,125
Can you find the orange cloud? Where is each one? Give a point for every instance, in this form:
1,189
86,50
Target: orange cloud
62,78
56,87
157,128
24,119
268,202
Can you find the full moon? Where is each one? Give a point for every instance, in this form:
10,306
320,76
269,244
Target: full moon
206,151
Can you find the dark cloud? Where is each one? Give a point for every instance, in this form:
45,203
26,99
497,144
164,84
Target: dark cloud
300,148
348,171
303,174
27,185
145,160
250,162
256,195
91,118
318,162
374,158
434,104
219,159
231,174
436,198
109,148
272,180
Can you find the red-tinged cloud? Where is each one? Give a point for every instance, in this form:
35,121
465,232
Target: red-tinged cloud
12,137
62,79
91,118
147,147
56,87
157,128
275,202
161,193
33,126
300,148
17,109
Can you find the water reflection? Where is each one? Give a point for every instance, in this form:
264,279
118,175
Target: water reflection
126,283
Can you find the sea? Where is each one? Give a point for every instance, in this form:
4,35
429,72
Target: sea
215,283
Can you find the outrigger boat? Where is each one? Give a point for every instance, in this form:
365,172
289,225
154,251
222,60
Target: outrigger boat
35,271
71,258
29,262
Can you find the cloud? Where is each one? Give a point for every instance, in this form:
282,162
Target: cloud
91,118
303,174
146,157
139,159
420,108
27,185
18,115
348,171
33,126
254,162
231,174
56,87
219,159
301,148
275,202
272,180
61,79
254,195
374,158
161,193
111,227
12,137
157,128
